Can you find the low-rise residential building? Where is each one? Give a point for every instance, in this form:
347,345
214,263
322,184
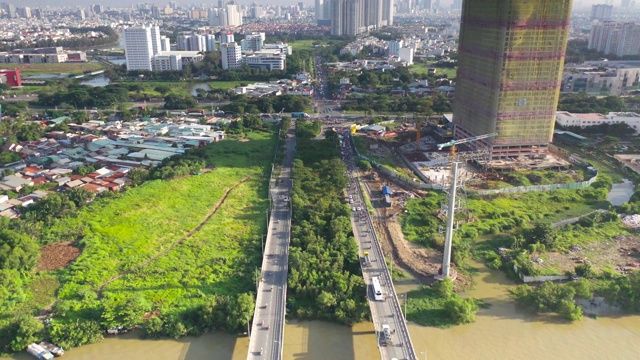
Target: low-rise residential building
567,119
266,61
611,78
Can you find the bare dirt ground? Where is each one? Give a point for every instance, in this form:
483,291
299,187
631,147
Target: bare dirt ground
423,263
621,253
57,256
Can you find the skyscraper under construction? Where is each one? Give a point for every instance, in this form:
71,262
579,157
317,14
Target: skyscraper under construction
510,63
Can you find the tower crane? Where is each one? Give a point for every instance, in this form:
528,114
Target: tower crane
453,143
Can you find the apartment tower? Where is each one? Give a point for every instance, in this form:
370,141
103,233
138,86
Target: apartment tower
141,45
510,63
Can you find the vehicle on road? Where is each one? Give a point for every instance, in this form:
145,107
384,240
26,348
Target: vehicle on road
299,115
385,335
377,289
366,261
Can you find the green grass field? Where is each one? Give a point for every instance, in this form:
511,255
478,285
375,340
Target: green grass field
225,85
423,68
143,243
303,45
61,68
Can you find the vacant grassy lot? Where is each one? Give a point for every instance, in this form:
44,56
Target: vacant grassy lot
126,239
423,68
299,45
225,85
62,68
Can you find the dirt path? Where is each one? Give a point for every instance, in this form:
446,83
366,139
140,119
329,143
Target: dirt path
423,263
186,236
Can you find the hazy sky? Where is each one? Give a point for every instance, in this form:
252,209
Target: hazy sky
128,3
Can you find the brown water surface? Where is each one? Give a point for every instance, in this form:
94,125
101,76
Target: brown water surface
502,331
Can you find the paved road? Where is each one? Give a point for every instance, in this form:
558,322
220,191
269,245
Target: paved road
267,331
388,311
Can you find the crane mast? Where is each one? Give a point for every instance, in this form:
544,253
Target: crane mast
448,238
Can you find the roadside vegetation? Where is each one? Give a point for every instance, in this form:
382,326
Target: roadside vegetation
325,280
175,253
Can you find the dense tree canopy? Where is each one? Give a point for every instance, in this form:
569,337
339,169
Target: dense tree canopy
325,280
80,96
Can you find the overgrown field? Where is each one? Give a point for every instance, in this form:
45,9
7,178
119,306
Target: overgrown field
494,215
152,251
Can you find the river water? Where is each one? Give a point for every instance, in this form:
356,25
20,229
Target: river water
621,193
502,331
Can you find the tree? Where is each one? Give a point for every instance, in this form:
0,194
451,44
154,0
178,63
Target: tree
163,89
444,288
79,196
17,251
154,328
462,311
175,101
543,233
137,176
20,332
69,335
80,117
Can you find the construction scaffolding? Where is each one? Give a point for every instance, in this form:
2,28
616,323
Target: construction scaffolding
510,63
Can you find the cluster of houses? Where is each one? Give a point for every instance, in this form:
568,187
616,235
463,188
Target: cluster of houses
111,148
299,85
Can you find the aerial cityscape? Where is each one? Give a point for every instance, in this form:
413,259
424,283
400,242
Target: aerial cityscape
336,179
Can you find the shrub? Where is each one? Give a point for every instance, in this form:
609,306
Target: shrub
462,311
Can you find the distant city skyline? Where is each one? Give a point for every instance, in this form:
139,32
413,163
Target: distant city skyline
125,3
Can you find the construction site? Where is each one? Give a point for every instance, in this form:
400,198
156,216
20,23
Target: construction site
412,148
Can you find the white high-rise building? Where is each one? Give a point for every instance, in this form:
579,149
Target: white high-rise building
165,43
211,42
252,42
234,16
621,39
231,55
138,48
226,37
387,12
214,17
353,17
155,39
406,55
197,43
601,12
320,9
394,47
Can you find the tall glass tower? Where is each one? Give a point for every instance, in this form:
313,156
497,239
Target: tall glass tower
510,63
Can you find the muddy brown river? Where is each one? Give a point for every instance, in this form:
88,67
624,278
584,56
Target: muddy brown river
500,332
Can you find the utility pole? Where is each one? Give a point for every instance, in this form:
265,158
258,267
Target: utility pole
446,261
406,300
